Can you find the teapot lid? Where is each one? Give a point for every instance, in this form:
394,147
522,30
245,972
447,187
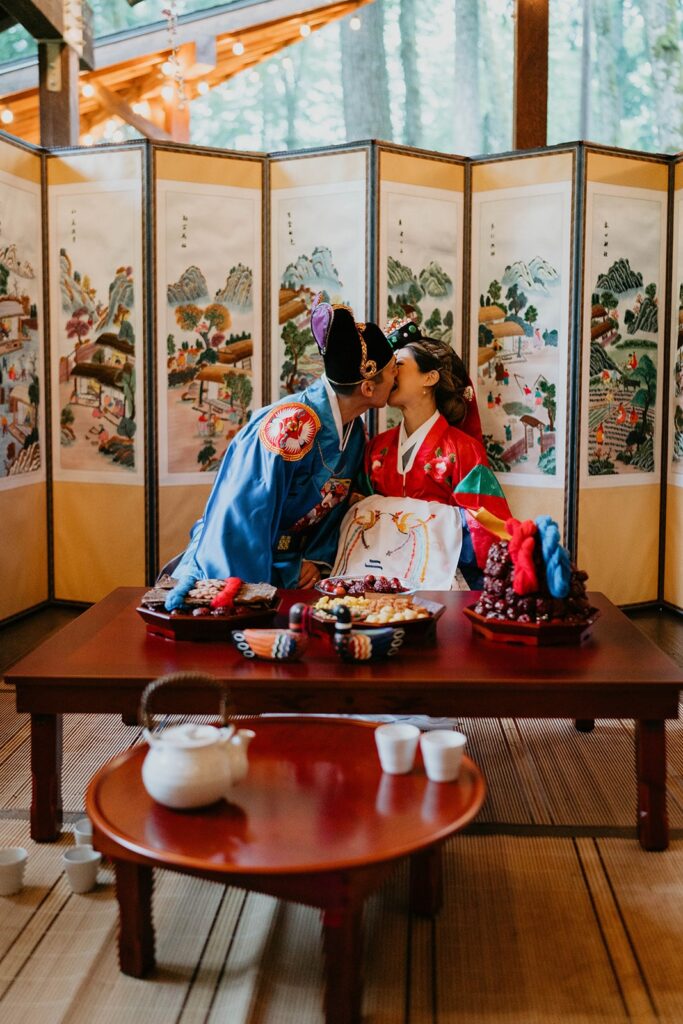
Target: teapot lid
188,735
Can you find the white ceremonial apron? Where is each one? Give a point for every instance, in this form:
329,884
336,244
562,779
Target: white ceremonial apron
416,540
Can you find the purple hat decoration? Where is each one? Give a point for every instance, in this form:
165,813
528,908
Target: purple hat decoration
321,322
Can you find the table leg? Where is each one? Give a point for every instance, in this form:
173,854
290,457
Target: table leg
343,942
134,883
653,824
426,882
46,772
584,724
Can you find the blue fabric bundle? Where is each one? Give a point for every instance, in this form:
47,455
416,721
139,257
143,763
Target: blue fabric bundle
556,558
176,598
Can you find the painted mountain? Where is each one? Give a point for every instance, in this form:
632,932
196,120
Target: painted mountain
533,275
619,278
120,294
236,293
398,274
22,268
191,287
600,360
310,269
75,291
646,317
435,281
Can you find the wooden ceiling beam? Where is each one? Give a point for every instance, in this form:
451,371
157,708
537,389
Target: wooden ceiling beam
113,104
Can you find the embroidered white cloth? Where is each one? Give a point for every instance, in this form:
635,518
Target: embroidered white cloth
416,540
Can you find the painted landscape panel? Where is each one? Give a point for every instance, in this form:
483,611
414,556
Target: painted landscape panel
622,332
520,285
209,322
676,424
97,331
318,246
21,362
421,257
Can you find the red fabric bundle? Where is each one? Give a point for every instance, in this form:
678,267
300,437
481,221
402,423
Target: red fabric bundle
226,598
521,547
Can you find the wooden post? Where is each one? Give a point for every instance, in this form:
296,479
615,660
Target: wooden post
530,103
58,92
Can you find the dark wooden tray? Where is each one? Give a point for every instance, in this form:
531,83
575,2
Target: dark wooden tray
533,634
204,627
415,628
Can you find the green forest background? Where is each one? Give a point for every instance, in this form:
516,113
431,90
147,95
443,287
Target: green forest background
438,74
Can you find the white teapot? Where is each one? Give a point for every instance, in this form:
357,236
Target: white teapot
192,765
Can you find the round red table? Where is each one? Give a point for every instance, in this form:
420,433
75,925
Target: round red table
315,821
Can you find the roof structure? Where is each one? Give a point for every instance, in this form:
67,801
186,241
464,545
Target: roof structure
130,79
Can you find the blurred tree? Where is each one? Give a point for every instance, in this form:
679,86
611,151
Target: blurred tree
468,120
408,26
663,42
364,77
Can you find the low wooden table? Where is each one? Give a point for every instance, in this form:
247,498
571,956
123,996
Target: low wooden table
102,661
315,821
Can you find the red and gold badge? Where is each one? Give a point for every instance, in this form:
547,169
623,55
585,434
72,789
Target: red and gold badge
289,430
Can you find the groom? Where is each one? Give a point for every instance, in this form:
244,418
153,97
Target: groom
282,488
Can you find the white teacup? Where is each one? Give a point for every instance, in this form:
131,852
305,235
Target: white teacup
81,864
396,746
442,751
83,832
12,866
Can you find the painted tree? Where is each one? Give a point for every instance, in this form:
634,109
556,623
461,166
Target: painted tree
78,325
296,344
364,76
549,400
646,375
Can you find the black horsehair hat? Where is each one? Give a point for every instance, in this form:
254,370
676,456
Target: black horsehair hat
352,352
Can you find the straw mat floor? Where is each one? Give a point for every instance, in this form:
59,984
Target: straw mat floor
553,913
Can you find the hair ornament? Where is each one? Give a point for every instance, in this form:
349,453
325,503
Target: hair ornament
468,393
322,315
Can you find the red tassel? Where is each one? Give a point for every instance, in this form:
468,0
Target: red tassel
226,598
521,547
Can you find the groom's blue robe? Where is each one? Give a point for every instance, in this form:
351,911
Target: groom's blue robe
279,495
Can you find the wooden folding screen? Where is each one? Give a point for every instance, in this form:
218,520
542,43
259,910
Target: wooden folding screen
622,372
673,551
96,258
208,329
23,487
521,286
179,292
418,255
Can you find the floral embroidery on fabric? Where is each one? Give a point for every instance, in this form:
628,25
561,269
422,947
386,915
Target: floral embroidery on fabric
289,430
332,493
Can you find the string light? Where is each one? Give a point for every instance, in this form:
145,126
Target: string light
88,90
202,88
171,16
305,30
238,49
355,24
87,140
6,116
167,68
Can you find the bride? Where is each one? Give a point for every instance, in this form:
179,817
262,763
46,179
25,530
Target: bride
430,492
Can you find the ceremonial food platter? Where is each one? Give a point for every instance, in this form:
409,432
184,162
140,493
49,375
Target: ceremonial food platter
532,634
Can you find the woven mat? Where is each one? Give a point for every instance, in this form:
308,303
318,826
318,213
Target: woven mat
533,931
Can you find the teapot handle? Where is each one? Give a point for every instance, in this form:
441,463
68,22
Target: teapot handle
197,679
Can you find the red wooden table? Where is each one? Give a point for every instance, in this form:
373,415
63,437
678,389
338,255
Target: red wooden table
102,661
315,821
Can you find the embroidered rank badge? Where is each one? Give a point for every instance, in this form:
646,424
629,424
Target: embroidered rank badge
289,430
